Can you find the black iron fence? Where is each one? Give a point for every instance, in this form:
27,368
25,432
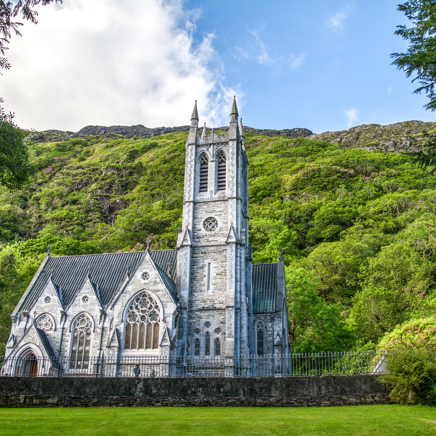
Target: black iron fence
310,364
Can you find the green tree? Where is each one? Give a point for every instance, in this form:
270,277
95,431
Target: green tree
313,324
420,57
15,168
396,286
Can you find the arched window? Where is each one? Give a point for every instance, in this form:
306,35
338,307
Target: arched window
221,159
142,323
204,172
45,322
207,344
217,343
197,347
82,330
260,338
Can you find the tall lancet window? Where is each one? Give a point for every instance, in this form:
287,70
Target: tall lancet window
260,338
221,159
142,323
204,172
82,330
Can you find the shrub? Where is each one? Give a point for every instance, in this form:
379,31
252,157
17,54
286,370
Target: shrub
411,375
418,333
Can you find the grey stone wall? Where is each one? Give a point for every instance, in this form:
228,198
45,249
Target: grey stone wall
290,392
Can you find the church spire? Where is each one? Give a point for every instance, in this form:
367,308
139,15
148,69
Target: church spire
194,116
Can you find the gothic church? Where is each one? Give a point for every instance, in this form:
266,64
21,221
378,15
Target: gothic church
203,299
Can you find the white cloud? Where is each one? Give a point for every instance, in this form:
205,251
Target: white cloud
296,61
389,89
336,22
351,116
109,62
255,50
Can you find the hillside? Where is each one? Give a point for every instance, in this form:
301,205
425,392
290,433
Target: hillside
361,223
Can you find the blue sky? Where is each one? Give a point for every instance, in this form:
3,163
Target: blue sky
322,65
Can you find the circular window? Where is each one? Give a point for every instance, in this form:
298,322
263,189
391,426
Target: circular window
207,324
45,323
47,300
85,299
217,330
145,276
210,224
197,331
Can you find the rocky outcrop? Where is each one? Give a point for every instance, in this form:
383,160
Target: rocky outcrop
140,131
397,138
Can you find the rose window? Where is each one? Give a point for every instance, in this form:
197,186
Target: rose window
207,324
45,323
142,324
210,224
197,331
47,300
85,299
217,330
144,276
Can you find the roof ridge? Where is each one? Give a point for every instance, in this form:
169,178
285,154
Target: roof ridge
102,254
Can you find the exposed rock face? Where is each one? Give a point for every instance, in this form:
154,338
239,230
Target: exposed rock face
140,131
398,138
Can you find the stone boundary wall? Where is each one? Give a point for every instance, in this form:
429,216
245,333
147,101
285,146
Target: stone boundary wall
262,392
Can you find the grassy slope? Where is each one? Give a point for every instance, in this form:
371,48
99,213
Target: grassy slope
349,420
106,193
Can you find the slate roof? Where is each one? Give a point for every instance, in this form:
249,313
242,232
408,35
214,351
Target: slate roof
107,272
264,287
47,346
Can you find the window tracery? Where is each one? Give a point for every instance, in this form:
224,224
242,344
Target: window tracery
210,224
44,322
260,338
142,323
197,347
82,331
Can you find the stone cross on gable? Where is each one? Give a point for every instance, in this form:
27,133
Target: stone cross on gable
148,243
128,268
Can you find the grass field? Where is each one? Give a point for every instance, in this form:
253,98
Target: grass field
352,420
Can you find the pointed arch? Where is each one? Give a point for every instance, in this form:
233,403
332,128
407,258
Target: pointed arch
82,329
46,322
143,316
203,161
259,328
221,160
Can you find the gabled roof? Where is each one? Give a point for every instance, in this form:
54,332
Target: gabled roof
264,287
47,347
107,271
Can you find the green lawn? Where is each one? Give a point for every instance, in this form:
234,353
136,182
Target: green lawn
352,420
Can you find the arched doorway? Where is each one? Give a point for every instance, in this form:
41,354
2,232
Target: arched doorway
27,365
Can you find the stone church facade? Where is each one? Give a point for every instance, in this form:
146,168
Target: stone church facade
205,299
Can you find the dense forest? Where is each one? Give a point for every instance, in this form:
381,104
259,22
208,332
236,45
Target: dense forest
357,226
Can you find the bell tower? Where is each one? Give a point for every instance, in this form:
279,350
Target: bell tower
214,257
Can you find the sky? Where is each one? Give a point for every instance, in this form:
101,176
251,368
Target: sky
316,64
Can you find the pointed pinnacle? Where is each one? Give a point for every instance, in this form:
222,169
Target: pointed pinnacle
194,115
234,107
204,135
241,129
